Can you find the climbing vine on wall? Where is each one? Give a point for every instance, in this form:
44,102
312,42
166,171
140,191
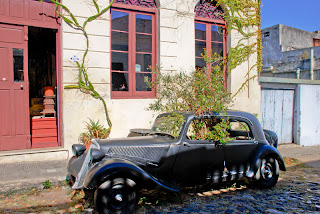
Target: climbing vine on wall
244,17
84,84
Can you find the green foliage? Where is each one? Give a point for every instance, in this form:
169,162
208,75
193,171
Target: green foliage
243,16
94,130
206,129
46,184
202,92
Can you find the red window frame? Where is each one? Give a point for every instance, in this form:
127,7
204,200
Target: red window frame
209,23
132,93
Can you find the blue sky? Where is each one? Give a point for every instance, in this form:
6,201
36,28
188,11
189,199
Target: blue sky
302,14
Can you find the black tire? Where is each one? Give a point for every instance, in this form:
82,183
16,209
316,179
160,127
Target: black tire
118,195
268,173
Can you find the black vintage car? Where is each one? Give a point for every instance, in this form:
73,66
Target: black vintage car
116,168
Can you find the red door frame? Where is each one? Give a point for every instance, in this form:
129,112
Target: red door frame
35,14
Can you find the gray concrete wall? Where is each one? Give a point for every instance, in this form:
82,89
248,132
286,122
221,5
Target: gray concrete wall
289,69
293,38
298,54
285,43
271,48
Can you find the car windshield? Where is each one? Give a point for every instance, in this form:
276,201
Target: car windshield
171,125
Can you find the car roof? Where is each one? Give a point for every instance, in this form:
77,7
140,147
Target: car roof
257,129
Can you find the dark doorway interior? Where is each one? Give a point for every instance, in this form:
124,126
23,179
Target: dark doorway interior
42,86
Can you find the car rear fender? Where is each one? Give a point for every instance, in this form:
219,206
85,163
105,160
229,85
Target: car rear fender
265,151
112,168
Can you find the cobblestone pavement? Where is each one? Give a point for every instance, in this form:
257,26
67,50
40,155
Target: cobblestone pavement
298,191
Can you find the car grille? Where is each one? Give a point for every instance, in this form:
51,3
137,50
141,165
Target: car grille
147,153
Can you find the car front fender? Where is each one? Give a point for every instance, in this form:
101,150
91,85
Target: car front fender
264,151
114,167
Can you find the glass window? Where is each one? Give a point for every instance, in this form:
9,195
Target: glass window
143,23
216,33
208,36
119,61
141,79
119,81
132,53
200,31
143,61
18,65
119,41
144,43
240,131
119,20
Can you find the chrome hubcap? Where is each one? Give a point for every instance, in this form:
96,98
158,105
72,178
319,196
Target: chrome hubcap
118,197
266,171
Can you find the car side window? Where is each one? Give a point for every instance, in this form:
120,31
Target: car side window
240,130
201,129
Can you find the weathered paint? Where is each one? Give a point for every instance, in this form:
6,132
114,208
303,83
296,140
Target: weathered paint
277,112
309,114
14,115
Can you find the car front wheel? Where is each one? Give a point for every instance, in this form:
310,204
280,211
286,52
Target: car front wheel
117,195
268,173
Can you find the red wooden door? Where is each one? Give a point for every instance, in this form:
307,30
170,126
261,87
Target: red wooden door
14,101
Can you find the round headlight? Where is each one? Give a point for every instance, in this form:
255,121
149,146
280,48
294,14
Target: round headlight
78,149
97,155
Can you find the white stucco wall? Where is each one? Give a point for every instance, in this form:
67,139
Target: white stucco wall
176,52
308,132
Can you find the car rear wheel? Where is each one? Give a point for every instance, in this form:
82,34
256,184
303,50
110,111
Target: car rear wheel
268,173
117,195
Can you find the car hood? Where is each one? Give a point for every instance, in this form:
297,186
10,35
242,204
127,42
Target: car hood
142,150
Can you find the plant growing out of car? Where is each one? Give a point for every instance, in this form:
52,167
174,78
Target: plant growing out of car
201,91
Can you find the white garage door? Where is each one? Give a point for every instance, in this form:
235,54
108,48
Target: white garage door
277,112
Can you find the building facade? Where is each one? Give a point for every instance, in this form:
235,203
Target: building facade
290,84
124,42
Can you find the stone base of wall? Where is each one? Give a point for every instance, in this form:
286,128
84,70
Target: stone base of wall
34,155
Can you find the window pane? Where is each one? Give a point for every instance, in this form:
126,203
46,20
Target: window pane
200,63
119,41
217,48
143,61
141,85
144,43
119,20
200,31
119,61
240,131
199,48
143,23
216,33
18,65
119,81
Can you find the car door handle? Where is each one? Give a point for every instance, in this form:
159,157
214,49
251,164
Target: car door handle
186,144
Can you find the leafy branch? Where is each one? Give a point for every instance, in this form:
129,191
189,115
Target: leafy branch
244,17
84,84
